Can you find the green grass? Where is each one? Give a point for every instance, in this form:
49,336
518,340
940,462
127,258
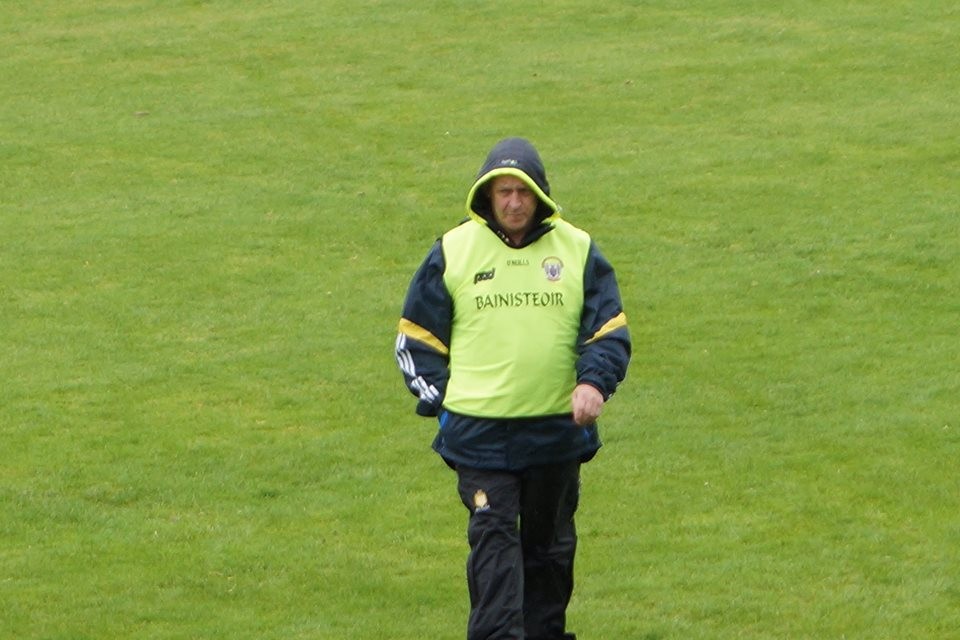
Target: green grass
209,212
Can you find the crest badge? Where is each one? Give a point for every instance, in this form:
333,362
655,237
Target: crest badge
552,268
480,502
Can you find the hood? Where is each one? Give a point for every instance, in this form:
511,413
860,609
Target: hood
514,157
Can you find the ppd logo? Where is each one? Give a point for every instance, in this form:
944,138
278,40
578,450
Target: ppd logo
484,275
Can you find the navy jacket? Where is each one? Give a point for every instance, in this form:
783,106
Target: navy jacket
424,337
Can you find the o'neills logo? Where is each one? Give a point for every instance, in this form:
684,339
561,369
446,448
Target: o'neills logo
520,299
552,267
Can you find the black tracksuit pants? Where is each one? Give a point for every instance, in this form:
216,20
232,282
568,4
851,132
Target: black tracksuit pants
522,546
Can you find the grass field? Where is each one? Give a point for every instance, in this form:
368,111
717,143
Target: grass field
209,212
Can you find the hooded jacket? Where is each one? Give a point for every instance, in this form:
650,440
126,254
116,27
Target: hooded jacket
494,337
514,157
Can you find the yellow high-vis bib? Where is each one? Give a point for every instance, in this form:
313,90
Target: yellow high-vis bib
516,316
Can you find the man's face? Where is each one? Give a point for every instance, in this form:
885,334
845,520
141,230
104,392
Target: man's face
514,205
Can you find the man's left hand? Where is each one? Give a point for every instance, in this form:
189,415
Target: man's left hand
587,404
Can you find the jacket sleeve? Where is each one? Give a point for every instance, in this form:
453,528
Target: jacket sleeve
603,345
423,339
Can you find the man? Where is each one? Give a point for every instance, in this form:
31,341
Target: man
514,336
